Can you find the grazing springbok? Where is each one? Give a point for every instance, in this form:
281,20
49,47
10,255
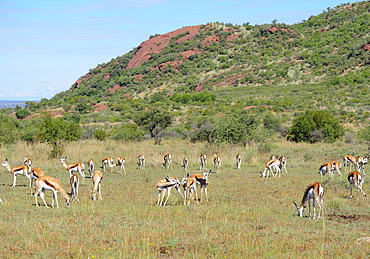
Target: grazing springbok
167,161
90,166
336,166
203,161
314,192
185,163
75,167
216,162
349,161
16,170
355,178
238,158
49,183
74,182
325,168
141,161
165,185
96,179
107,161
121,163
270,166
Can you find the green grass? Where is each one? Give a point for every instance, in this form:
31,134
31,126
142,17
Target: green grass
247,216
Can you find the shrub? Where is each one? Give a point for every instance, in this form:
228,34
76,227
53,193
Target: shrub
314,126
9,129
127,132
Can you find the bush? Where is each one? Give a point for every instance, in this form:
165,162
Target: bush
315,126
127,132
100,134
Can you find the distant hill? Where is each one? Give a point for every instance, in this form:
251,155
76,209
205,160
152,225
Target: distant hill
11,104
320,63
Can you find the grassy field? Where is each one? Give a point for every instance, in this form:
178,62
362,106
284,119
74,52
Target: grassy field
246,217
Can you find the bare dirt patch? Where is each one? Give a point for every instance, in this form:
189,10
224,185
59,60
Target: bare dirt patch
348,218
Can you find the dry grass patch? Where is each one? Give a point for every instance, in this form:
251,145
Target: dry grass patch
247,216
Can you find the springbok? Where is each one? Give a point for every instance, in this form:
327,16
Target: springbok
355,178
96,179
165,185
314,192
185,163
141,161
238,158
270,166
16,170
49,183
90,166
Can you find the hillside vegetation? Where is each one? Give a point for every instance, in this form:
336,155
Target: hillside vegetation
199,72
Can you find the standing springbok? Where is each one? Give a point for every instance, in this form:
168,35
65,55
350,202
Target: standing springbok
167,161
165,185
355,178
74,182
34,172
361,162
314,192
96,179
75,167
238,159
107,161
190,188
90,167
141,161
202,180
270,166
49,183
121,163
216,162
16,170
282,160
185,163
203,161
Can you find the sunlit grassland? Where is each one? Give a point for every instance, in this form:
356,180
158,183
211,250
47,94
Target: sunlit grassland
247,216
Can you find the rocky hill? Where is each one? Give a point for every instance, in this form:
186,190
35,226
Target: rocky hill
322,63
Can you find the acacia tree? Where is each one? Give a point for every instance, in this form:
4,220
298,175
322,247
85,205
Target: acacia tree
58,133
155,121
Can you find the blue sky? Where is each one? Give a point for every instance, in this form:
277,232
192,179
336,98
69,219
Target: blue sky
46,45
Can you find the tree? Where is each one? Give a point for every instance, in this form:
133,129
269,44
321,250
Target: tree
9,129
155,121
58,133
314,126
22,113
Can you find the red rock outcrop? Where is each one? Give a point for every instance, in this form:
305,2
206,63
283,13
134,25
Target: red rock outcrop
157,44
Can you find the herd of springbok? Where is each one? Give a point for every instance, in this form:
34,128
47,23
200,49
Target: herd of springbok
276,166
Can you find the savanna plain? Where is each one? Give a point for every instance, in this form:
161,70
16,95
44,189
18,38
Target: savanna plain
247,216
